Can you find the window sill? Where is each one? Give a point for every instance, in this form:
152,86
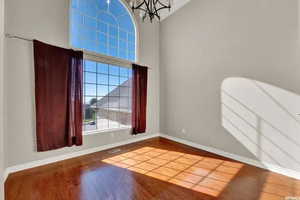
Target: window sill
105,131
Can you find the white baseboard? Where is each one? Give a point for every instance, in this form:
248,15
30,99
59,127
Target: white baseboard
38,163
5,175
256,163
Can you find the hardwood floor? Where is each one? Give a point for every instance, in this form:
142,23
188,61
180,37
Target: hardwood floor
149,170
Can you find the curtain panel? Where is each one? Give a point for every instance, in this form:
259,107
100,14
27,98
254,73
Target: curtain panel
58,96
139,98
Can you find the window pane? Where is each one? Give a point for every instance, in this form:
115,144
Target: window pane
102,118
113,119
130,72
102,102
130,104
123,45
131,55
90,22
102,68
123,71
102,90
89,125
102,79
114,80
123,35
90,100
113,51
102,122
102,27
131,47
124,81
114,91
90,89
131,38
113,31
114,70
114,102
102,38
77,18
130,82
123,54
124,102
112,88
113,42
101,48
124,91
90,77
124,118
88,36
90,66
89,115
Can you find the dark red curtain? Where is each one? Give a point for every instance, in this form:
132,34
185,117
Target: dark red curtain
139,98
58,95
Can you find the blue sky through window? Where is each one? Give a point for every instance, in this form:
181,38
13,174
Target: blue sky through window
100,79
105,28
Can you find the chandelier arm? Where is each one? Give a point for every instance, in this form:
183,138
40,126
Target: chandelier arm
156,12
142,9
161,8
152,5
157,15
148,6
140,5
162,4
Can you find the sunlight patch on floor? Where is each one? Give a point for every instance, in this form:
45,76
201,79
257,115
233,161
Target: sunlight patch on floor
199,173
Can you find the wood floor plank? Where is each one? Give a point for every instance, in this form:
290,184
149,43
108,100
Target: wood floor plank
149,170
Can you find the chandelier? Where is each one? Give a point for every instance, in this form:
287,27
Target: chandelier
150,8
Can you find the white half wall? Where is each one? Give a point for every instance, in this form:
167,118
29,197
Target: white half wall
250,50
48,21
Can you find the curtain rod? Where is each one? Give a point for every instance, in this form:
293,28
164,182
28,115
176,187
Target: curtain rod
7,35
17,37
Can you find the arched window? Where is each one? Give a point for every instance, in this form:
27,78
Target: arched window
103,26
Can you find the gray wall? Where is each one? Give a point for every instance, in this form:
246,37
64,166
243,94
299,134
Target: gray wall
48,21
1,99
230,77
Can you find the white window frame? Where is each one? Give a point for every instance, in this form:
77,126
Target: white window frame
111,61
106,57
97,57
